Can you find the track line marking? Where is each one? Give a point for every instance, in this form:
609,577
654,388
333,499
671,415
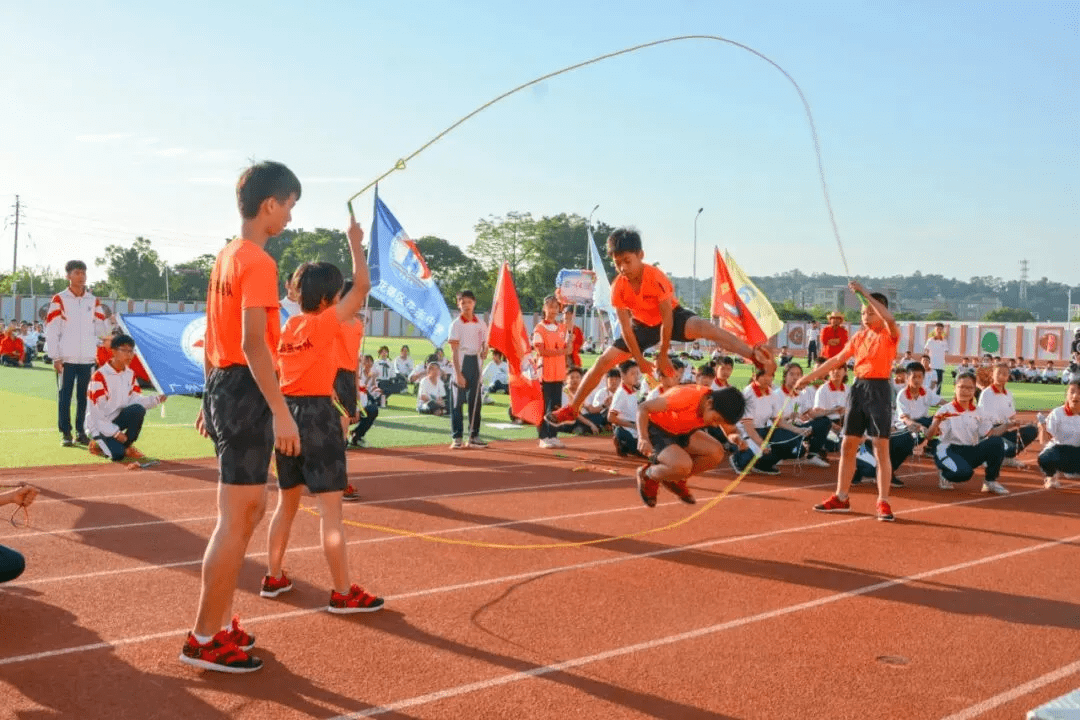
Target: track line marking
582,566
1017,692
392,538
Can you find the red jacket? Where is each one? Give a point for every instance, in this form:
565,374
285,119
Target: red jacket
12,345
828,335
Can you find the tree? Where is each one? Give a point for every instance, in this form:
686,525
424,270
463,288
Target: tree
504,240
134,272
453,270
907,315
1007,314
940,315
318,245
189,280
32,281
788,311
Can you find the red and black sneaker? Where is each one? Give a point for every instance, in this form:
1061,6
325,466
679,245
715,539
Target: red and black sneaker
562,417
834,505
272,586
220,655
350,494
884,511
240,637
647,487
681,490
354,601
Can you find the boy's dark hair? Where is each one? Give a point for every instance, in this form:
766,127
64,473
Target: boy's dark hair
74,265
432,358
940,325
880,298
318,281
730,403
915,367
924,357
626,365
969,375
678,364
707,370
466,294
623,240
263,181
1074,381
727,360
575,369
494,354
383,347
121,340
614,373
368,357
759,371
406,347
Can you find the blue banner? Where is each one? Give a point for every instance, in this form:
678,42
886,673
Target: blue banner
401,279
170,347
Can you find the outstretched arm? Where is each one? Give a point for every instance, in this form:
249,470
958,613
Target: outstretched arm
354,300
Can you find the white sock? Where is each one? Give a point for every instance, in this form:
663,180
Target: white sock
202,639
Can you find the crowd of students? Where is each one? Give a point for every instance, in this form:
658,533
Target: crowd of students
21,343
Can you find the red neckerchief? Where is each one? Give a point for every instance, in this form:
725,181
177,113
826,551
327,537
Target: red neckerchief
629,391
960,408
834,388
758,390
907,393
998,391
720,383
474,319
789,393
1068,412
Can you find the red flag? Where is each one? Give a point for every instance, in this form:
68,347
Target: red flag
735,316
507,335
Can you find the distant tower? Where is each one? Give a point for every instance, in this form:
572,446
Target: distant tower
1023,282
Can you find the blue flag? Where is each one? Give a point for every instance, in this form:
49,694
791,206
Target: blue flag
401,279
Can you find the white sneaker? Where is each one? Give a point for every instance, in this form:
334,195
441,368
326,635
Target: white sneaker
557,443
1072,476
944,484
1014,463
546,444
1052,483
816,461
995,487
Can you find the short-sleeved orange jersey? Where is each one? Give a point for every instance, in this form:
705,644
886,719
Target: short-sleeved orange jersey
244,276
644,305
306,360
681,416
347,345
553,366
874,352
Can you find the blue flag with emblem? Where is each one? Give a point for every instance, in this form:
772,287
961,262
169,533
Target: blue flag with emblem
402,280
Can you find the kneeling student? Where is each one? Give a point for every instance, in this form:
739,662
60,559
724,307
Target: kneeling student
115,406
1062,451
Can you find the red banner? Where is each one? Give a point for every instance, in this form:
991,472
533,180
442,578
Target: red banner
735,316
507,334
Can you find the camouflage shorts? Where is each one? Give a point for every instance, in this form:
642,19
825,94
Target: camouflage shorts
239,422
321,462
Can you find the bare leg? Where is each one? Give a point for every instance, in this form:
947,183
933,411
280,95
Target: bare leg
240,508
706,451
672,464
848,447
701,329
280,526
884,467
333,539
609,359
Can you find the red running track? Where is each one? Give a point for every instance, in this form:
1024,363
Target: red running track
965,607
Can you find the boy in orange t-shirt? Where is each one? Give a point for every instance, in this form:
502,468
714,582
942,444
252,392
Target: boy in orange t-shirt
869,407
307,366
668,435
649,313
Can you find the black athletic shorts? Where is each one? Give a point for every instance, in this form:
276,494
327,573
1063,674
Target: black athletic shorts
321,462
869,408
649,335
345,387
239,422
661,438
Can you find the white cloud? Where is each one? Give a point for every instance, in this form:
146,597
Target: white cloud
171,152
103,137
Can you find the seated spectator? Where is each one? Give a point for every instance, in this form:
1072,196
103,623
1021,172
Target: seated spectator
724,367
695,351
1049,375
583,425
116,407
665,383
907,359
968,439
496,375
445,366
997,403
832,398
1031,373
964,366
597,406
12,349
1072,370
623,412
762,407
30,341
431,392
403,366
12,563
368,400
705,375
802,414
785,356
1062,451
386,376
1017,372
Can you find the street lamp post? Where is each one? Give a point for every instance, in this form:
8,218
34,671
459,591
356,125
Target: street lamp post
588,250
693,284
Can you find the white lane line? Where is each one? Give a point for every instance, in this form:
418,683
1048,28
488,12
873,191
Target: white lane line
546,571
689,635
394,538
1017,692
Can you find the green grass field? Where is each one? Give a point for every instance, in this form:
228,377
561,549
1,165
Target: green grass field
29,422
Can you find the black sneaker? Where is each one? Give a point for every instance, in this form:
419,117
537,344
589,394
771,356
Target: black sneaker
475,442
764,471
66,440
896,482
82,439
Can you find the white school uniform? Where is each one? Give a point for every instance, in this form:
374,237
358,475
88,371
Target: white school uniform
968,427
625,403
914,407
433,390
998,405
1064,425
829,396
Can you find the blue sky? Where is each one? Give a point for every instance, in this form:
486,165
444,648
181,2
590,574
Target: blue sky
950,136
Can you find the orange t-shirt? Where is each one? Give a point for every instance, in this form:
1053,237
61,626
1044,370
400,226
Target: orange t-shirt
11,345
681,416
874,352
553,366
244,276
644,305
306,361
347,346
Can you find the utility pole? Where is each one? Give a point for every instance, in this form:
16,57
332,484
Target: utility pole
15,252
166,287
1023,282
